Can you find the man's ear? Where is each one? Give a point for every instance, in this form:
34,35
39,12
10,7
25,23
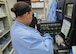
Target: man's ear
26,14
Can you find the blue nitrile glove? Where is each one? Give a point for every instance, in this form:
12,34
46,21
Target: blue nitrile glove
47,35
71,51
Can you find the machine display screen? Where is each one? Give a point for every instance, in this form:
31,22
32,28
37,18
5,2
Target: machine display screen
69,10
65,27
73,49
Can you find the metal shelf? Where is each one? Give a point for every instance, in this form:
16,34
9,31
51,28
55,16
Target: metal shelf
5,44
11,52
3,16
2,3
4,33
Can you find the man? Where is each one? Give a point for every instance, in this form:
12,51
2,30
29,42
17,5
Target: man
25,39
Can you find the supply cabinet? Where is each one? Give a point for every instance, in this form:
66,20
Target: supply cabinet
5,24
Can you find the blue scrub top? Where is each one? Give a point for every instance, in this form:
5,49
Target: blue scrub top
52,12
26,40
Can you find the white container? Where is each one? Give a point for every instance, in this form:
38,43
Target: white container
1,26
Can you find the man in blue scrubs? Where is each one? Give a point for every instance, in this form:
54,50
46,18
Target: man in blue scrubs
27,40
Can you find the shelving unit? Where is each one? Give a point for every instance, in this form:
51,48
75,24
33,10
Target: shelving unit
38,8
5,24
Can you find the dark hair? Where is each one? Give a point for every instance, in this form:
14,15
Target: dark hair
20,8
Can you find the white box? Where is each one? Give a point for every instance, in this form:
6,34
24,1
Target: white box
37,5
74,49
2,12
1,26
41,0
